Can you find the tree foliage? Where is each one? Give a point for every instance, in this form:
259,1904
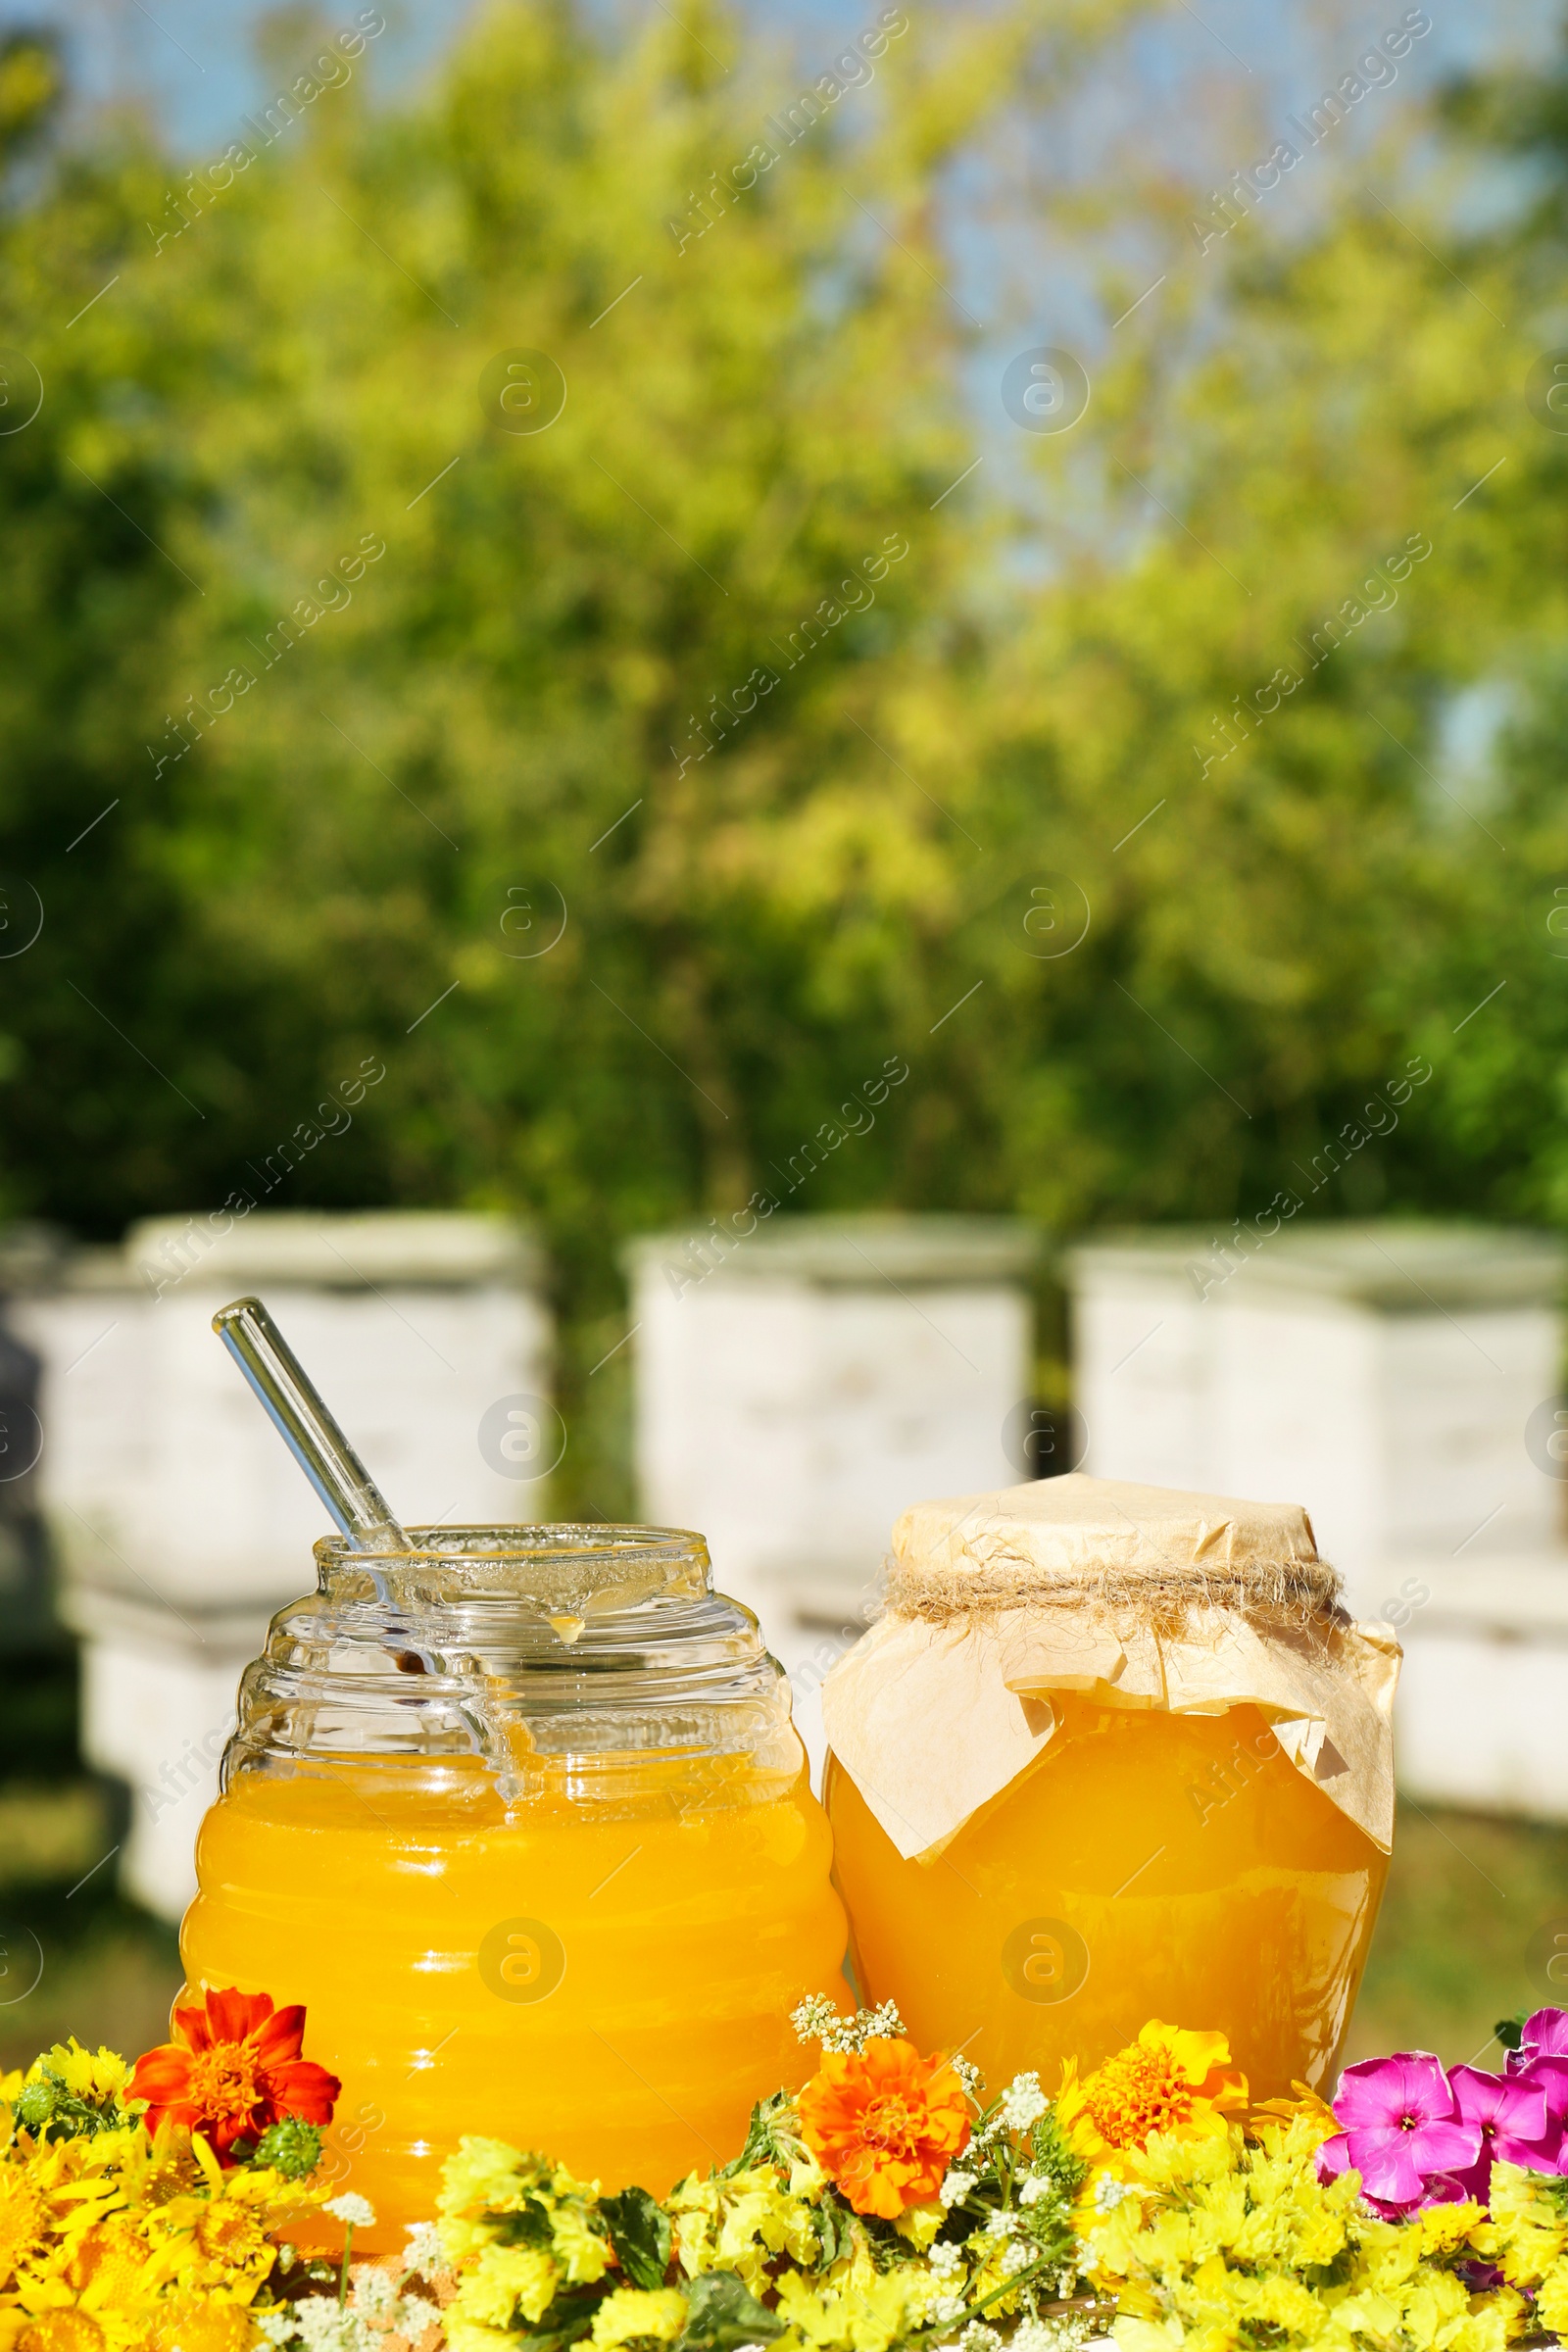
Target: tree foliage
326,698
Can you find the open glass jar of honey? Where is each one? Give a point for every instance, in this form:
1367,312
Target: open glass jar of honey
521,1817
1114,1754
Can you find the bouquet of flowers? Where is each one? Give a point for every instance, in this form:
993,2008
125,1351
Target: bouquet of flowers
888,2202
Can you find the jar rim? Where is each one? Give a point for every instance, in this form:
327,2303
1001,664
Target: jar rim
573,1543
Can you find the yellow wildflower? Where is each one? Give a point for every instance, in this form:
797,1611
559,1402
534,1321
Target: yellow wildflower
96,2076
484,2175
583,2251
1552,2299
862,2319
920,2225
507,2284
628,2315
1526,2235
739,2224
196,2324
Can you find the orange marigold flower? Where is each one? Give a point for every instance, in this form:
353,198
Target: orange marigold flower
234,2069
1167,2081
885,2123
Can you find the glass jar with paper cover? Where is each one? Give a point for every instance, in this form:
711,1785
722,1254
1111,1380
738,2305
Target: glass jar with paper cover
1113,1752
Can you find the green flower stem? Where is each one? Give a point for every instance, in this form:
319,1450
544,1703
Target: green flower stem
343,2275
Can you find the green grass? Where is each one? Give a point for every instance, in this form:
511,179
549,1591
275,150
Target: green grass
74,1956
1465,1934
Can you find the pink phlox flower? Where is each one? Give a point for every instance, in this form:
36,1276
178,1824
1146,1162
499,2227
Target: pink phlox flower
1403,2129
1545,2035
1513,2119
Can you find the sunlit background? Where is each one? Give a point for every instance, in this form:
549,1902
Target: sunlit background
540,669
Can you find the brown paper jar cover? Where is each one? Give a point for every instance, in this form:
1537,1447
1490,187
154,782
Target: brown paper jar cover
1140,1597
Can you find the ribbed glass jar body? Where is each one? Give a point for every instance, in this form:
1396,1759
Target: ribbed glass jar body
522,1820
1146,1864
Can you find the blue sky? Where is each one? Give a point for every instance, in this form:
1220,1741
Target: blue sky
192,64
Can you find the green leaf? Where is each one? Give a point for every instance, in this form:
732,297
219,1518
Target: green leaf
566,2321
639,2232
722,2313
762,2143
836,2228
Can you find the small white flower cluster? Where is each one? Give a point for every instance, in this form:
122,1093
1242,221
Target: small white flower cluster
816,2019
945,2259
1109,2193
424,2251
354,2212
1019,2108
1018,2257
1001,2225
978,2337
956,2187
322,2324
944,2310
1063,2331
1033,2187
1022,2103
970,2075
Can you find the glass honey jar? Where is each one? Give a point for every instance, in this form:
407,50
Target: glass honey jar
520,1816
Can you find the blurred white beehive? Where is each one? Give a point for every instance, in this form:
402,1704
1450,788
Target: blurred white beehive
797,1388
180,1523
1398,1380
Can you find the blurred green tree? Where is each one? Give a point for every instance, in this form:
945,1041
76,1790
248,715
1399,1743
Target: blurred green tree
635,786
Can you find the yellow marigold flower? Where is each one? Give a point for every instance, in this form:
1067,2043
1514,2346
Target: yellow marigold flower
507,2284
1169,2080
628,2315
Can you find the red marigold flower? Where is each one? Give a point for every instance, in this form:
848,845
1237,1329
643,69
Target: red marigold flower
234,2069
886,2125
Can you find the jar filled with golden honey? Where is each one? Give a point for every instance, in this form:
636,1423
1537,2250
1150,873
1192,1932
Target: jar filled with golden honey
1113,1752
521,1817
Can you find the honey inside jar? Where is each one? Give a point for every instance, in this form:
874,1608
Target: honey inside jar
1145,1865
610,1984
